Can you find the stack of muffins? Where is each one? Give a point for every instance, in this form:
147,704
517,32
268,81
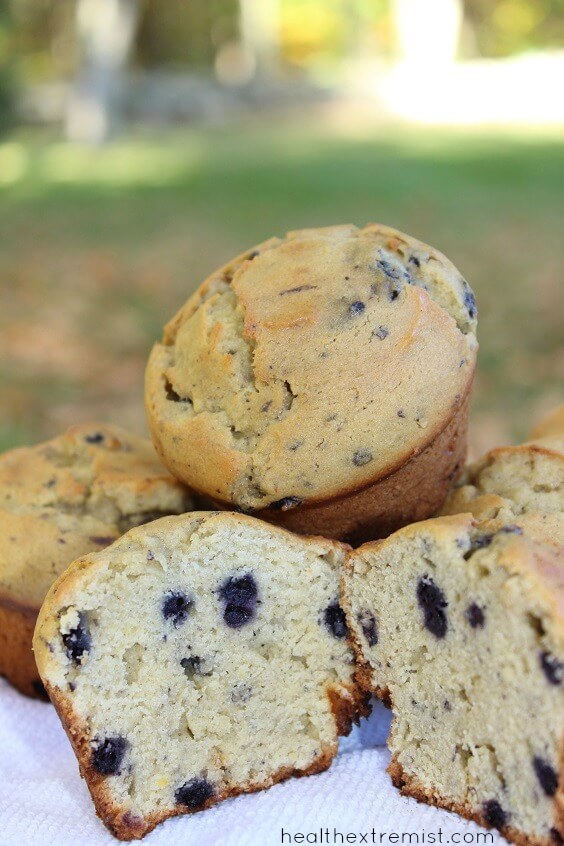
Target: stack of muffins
311,396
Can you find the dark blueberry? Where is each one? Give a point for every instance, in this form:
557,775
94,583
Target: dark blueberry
389,269
381,332
394,294
107,754
369,628
362,457
51,483
547,777
239,590
150,555
494,814
286,503
95,438
77,641
401,413
236,616
176,607
414,260
512,530
253,255
356,308
432,602
101,540
475,616
334,619
447,706
39,689
551,667
479,542
194,793
469,299
240,595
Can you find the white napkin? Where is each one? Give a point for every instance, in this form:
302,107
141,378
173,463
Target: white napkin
43,800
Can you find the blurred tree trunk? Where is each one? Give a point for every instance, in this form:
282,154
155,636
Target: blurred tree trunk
260,34
428,33
105,32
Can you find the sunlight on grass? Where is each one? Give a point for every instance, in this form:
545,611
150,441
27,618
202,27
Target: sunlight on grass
139,162
14,163
120,165
99,247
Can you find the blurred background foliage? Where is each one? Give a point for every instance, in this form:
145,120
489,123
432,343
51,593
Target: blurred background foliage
144,143
176,33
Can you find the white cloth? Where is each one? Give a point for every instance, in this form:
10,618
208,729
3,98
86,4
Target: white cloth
44,802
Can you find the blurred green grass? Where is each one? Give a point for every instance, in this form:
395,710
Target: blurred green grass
98,248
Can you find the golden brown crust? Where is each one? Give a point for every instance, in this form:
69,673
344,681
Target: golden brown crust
522,485
73,494
61,499
17,664
410,493
409,786
125,826
303,440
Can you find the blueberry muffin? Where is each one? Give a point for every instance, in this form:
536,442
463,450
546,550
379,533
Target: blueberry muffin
61,499
523,485
463,634
320,381
197,658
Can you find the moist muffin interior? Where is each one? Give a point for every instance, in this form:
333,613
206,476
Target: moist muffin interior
468,648
200,658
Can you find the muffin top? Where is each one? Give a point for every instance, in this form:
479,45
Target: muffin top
522,485
75,494
312,366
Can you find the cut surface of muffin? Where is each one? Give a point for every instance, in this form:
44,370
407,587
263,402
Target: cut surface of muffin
463,633
198,657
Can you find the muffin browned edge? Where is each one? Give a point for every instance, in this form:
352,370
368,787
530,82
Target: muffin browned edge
409,491
125,826
347,709
410,786
17,663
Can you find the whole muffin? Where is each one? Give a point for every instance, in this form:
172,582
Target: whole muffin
61,499
320,382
